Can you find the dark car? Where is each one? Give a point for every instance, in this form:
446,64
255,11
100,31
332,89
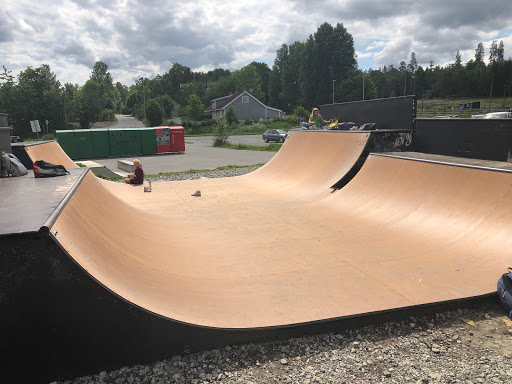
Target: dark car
277,135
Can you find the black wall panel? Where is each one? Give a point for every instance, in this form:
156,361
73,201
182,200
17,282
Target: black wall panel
486,139
391,113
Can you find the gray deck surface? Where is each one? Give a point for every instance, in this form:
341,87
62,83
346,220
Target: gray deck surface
488,164
26,202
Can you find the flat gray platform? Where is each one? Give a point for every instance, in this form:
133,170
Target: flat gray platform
26,202
451,160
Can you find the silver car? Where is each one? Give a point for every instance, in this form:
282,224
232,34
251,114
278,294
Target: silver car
277,135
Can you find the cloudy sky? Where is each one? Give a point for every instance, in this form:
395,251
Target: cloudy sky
144,38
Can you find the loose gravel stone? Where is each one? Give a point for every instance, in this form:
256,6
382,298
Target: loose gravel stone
204,174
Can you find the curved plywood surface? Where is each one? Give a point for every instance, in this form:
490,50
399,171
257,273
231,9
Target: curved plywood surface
50,152
276,247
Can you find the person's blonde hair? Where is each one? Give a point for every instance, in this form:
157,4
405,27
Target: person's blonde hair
136,161
313,111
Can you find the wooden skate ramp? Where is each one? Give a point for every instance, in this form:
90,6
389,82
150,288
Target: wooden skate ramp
276,247
50,152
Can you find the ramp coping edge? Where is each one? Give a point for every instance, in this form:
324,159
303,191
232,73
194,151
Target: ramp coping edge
48,223
442,162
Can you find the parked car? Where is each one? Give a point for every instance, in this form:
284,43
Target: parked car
498,115
16,139
277,135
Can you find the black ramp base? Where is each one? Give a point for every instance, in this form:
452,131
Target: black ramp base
59,323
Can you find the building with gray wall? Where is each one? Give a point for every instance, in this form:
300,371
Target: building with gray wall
246,106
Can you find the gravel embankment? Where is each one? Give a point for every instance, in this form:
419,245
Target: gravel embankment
469,346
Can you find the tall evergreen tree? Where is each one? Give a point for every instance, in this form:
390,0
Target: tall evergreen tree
458,63
413,64
493,53
501,52
479,54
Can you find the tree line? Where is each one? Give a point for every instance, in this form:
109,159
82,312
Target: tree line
304,74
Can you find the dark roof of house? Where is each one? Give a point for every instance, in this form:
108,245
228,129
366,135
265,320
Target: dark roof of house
222,102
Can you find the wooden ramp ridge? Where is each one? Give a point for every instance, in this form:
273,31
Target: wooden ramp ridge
277,247
50,152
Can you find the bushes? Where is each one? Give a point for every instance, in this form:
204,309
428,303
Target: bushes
231,118
221,135
107,115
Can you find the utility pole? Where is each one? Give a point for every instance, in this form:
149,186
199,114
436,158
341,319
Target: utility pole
333,90
64,102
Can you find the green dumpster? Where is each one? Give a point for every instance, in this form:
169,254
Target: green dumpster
83,139
133,142
117,142
66,139
100,143
148,141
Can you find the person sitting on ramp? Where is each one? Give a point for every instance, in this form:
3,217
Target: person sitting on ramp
138,176
317,120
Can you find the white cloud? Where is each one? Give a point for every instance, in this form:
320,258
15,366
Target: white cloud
136,37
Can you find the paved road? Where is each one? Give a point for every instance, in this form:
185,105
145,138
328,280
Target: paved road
199,154
123,121
242,139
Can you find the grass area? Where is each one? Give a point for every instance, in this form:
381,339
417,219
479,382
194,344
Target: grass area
245,127
441,107
268,148
50,136
191,171
81,165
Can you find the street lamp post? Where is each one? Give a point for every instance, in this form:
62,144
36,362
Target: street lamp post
363,85
144,93
333,91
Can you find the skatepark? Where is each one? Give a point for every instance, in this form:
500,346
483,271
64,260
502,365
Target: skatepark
327,232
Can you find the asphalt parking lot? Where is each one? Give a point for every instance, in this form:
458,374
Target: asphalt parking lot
199,154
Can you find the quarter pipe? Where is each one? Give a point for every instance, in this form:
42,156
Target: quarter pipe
144,275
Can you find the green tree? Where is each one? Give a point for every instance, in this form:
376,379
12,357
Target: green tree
36,95
263,72
153,112
501,52
92,103
493,53
458,63
413,64
194,110
231,117
479,54
300,111
247,78
351,89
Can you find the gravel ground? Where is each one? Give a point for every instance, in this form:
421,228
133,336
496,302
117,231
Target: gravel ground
211,174
469,345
